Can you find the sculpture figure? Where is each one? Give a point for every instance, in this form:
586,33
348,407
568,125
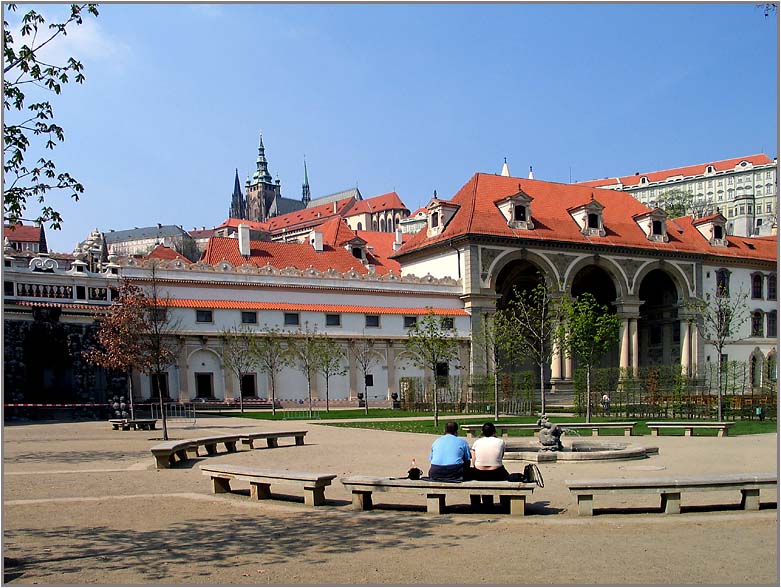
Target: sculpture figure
550,435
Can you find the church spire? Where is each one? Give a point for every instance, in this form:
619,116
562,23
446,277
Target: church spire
306,195
505,169
531,173
262,174
238,207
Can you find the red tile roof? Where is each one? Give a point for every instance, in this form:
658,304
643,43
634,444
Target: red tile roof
336,232
201,233
235,222
163,252
345,308
308,216
389,201
691,170
22,233
478,215
282,255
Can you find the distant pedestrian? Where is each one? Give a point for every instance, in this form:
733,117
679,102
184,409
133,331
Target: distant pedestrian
606,403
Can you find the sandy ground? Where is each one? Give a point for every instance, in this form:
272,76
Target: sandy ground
83,504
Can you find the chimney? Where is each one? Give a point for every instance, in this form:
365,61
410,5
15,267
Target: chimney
334,206
397,241
316,240
244,240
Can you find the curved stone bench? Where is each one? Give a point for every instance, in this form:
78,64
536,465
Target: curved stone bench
272,439
166,452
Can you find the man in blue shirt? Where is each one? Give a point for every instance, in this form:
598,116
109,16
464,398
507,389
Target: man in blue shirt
450,456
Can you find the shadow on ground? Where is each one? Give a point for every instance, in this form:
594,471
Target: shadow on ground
52,457
205,545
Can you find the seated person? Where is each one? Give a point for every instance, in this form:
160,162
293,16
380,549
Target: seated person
449,457
487,454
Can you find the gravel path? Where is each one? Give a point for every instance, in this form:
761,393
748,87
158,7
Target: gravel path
83,504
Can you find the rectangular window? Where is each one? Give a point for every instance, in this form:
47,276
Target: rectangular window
448,322
8,288
756,324
742,210
249,317
772,324
292,319
372,320
768,207
333,320
203,316
771,287
410,321
81,292
159,315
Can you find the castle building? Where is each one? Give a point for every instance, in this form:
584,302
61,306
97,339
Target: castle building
744,189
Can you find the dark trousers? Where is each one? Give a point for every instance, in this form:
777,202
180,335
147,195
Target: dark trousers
448,473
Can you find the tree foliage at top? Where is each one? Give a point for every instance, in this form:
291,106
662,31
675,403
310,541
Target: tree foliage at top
237,354
272,351
29,126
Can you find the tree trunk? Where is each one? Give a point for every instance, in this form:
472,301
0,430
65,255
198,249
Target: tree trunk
309,382
365,395
241,396
162,406
130,393
542,388
273,396
436,403
588,393
496,392
327,408
718,389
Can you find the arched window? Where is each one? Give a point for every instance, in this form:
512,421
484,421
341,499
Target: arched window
382,225
593,221
520,213
755,370
434,220
722,282
772,323
772,292
771,367
757,328
756,286
360,227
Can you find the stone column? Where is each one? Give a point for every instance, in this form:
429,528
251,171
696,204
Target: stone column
228,383
624,360
555,363
353,372
685,347
635,348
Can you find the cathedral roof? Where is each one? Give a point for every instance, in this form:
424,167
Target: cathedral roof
353,193
307,216
551,203
288,205
389,201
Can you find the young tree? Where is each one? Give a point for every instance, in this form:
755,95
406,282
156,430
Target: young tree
536,314
720,319
25,69
587,334
330,362
430,343
273,354
496,337
363,353
137,333
237,354
305,349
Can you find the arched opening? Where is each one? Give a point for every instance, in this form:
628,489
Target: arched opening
516,276
597,282
382,225
659,330
360,226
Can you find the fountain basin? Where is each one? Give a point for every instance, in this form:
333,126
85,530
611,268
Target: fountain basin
577,451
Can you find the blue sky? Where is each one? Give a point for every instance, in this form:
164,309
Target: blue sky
400,97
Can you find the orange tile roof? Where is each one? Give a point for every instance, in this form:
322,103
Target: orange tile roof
336,232
282,255
478,215
389,201
344,308
235,222
308,216
22,233
382,244
691,170
163,252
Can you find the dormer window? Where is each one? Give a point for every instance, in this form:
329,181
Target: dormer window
516,210
718,232
713,229
589,218
357,252
439,215
643,180
710,170
654,225
656,228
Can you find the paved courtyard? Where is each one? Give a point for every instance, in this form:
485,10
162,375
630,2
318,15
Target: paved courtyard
84,504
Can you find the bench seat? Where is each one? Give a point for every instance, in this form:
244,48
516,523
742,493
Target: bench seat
670,488
436,493
688,427
260,481
272,438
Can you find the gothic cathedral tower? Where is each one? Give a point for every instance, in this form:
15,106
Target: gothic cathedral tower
262,191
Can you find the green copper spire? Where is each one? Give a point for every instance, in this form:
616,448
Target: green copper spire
306,195
262,174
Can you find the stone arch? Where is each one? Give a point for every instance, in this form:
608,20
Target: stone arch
382,224
756,364
210,369
544,265
207,349
610,267
672,271
659,321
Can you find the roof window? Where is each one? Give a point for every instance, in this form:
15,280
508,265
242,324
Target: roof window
516,210
589,218
654,225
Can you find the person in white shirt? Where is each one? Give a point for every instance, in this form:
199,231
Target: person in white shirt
487,454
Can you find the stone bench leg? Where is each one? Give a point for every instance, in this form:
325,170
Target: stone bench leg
517,504
230,446
671,502
435,503
654,432
182,454
259,490
688,432
191,451
211,449
749,498
595,432
299,439
220,485
163,462
272,442
628,432
723,432
362,500
586,505
250,442
115,426
314,495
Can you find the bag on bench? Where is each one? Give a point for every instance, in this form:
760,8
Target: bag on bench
531,473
